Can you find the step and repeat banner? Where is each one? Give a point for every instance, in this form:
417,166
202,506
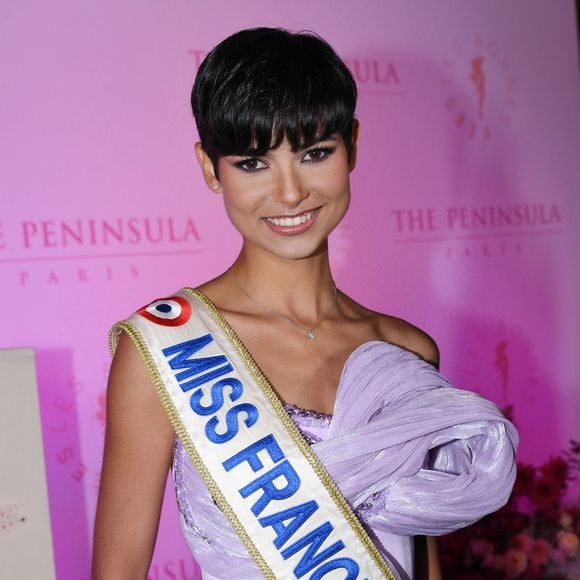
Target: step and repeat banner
464,219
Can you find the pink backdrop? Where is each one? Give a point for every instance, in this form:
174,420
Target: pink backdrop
464,218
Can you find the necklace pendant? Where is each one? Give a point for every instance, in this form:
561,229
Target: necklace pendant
310,334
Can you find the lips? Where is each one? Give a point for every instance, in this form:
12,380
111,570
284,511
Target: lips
292,225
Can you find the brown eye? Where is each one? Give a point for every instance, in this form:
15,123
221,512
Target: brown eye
250,164
317,154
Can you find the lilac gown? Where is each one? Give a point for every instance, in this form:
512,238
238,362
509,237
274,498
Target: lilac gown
410,453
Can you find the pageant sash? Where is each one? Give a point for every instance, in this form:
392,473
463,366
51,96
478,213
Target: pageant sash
260,471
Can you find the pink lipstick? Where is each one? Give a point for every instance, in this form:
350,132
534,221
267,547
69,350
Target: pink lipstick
292,225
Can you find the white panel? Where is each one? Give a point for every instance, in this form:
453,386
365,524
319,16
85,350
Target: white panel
25,536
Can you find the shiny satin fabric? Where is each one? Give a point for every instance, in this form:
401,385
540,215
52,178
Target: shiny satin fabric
410,453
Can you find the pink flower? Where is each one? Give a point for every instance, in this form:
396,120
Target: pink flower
558,557
523,542
494,561
568,543
481,547
515,562
566,520
540,551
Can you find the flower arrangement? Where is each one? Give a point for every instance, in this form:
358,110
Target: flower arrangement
534,536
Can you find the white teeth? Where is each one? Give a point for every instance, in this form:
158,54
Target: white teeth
289,222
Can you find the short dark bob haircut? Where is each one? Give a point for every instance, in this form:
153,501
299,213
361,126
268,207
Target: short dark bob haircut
263,85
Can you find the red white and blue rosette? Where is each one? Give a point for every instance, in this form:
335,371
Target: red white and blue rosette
171,311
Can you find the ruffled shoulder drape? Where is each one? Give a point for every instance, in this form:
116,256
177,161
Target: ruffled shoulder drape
433,458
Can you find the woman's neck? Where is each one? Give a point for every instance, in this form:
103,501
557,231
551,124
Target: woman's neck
302,289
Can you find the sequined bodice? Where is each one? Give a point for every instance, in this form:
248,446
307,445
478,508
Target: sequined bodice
313,425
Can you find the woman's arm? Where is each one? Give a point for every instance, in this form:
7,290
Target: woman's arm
427,565
433,564
138,448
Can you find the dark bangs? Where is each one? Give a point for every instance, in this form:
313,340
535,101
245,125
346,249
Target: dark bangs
262,86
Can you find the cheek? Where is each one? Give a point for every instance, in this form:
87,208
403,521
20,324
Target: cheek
335,184
237,217
239,192
334,180
234,211
240,203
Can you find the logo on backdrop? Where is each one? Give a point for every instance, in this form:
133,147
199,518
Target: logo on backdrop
483,230
84,250
481,87
499,362
62,432
372,75
375,76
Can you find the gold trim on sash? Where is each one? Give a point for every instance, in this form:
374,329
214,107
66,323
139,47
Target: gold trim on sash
297,438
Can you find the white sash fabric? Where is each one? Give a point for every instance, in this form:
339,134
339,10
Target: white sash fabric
260,471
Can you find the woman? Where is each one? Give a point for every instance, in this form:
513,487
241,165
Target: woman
412,456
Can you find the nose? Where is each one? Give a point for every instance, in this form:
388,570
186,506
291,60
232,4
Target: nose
290,187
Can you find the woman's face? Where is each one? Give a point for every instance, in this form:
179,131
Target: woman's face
285,202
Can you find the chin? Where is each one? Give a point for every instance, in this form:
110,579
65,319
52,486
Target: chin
304,251
289,249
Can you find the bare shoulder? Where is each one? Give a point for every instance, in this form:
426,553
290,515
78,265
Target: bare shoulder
221,292
127,363
137,424
392,329
407,336
131,386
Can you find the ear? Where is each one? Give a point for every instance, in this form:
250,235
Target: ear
207,169
354,144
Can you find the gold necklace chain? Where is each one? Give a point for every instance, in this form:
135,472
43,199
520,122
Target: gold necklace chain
310,334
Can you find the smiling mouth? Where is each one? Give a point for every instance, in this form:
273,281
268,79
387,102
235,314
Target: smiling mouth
288,222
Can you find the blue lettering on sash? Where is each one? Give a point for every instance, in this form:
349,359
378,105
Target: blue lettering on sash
266,483
297,516
313,540
250,454
196,366
206,378
208,369
231,422
217,396
348,564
